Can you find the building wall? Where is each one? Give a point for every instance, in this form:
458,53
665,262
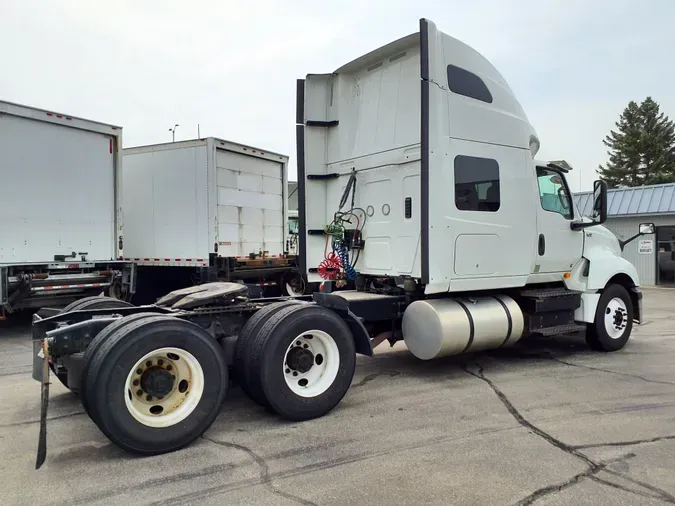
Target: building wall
292,196
625,227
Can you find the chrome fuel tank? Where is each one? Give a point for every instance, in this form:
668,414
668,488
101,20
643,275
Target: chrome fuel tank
441,327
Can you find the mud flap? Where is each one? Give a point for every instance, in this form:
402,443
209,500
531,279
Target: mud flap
44,404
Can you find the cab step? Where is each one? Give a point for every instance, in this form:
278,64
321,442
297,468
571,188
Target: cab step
547,300
559,329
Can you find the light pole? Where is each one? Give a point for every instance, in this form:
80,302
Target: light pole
173,132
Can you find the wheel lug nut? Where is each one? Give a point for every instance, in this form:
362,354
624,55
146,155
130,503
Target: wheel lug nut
139,371
139,392
136,383
169,367
288,371
148,363
148,398
160,362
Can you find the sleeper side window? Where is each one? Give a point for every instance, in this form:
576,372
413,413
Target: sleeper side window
476,184
468,84
553,192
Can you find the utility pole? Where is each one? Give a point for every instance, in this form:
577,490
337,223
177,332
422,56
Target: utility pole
173,132
198,136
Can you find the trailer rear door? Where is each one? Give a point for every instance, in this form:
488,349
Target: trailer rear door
250,204
58,191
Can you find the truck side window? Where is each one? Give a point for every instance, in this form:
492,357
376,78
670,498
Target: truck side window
476,184
468,84
553,192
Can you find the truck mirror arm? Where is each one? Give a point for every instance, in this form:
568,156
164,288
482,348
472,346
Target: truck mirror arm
580,225
623,243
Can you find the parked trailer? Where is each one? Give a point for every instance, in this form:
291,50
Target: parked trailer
292,241
206,210
462,240
61,230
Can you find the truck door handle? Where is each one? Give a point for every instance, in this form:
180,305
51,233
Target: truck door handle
542,245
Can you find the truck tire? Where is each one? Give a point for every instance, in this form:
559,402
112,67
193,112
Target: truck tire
97,302
156,384
303,361
613,320
242,348
293,285
93,347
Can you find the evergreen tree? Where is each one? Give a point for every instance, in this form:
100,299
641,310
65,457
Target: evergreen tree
641,149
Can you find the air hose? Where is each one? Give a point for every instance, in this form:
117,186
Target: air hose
344,260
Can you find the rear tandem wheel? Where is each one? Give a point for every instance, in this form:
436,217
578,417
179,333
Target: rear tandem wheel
241,366
302,361
155,384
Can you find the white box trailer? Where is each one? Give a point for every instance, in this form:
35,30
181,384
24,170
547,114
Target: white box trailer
61,232
208,208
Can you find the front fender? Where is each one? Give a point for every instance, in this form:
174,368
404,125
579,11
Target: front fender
604,265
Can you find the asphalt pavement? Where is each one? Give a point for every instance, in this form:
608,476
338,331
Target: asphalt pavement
548,422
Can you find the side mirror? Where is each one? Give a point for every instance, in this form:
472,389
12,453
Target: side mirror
647,228
599,214
644,229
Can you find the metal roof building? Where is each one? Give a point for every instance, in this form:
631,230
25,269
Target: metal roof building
652,255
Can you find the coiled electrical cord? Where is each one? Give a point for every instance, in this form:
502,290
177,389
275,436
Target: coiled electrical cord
330,266
335,264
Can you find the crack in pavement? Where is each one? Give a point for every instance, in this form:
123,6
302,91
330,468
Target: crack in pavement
525,423
588,473
375,375
547,355
609,371
17,373
593,467
31,422
624,443
265,477
191,497
659,493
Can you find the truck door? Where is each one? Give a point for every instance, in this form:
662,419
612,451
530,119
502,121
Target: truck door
558,246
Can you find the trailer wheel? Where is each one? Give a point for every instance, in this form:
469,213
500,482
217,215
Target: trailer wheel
242,348
303,359
294,285
93,347
157,384
96,302
613,320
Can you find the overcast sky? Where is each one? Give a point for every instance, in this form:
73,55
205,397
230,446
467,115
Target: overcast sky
231,65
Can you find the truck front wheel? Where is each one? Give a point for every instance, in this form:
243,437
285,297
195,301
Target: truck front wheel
613,320
303,360
155,385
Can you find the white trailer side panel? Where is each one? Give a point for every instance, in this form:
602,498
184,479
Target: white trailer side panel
58,191
250,204
166,204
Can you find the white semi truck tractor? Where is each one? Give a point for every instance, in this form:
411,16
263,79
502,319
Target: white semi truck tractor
418,182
